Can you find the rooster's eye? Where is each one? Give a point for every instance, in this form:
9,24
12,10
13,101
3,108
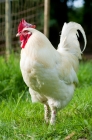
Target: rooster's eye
25,31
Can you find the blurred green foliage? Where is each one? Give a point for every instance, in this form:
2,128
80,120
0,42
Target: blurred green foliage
11,81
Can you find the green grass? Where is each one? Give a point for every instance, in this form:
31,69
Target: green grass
22,120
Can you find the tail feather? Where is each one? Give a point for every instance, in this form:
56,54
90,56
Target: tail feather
69,41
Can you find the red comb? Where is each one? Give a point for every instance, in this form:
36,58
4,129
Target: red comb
22,25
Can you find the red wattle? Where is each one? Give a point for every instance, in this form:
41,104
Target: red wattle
24,40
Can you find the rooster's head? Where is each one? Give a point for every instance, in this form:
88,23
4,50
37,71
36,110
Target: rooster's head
23,24
24,35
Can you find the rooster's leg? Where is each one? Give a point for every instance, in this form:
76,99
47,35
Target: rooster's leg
46,111
53,114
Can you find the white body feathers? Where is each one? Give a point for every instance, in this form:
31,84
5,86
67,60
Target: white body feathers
51,74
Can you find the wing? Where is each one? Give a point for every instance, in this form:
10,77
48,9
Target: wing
66,72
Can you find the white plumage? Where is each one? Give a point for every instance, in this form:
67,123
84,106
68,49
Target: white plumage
51,74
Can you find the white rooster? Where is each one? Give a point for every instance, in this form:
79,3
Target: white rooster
50,74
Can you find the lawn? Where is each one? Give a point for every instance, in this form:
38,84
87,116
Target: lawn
22,120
